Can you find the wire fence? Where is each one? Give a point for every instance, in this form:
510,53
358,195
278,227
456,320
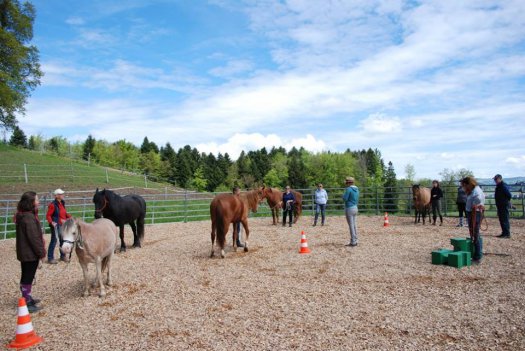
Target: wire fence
171,205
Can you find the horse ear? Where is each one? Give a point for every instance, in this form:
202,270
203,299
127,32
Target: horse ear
96,191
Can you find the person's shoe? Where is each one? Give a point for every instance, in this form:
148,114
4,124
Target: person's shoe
239,244
33,308
459,225
351,244
503,236
440,224
434,223
63,259
52,261
290,225
313,225
33,301
476,262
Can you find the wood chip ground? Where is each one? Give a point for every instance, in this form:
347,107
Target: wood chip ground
383,294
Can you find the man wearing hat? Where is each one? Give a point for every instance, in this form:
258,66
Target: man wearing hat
502,195
56,216
351,198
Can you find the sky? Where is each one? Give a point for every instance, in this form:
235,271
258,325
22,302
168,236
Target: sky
433,84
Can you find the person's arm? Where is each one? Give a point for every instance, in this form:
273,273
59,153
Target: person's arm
50,210
34,237
507,193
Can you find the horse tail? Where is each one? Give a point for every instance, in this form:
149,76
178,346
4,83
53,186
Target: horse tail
141,220
219,226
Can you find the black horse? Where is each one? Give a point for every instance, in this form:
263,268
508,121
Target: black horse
122,210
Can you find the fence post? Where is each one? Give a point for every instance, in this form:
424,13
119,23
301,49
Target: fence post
185,205
25,172
84,208
522,203
145,180
377,201
445,200
107,177
6,218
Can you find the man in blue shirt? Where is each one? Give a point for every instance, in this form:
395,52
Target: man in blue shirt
503,196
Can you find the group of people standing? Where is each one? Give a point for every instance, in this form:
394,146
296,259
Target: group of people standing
30,243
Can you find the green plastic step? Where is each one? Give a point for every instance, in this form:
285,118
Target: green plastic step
461,244
455,259
440,256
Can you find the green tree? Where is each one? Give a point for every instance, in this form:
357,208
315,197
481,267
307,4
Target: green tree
391,195
18,138
87,149
198,181
410,173
19,64
296,169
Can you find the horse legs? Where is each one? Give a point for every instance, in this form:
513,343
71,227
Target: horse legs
274,216
245,226
235,235
136,241
122,242
212,239
109,281
98,279
86,280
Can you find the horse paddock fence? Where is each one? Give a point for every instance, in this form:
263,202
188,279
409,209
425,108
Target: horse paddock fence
168,205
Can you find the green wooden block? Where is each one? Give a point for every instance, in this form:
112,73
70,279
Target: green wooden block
455,259
440,256
467,258
461,244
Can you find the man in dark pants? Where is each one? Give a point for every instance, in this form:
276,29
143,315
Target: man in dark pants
502,195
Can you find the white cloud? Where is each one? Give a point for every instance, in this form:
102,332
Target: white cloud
232,68
517,162
380,123
75,21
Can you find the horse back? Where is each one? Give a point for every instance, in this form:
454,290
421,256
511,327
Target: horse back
99,239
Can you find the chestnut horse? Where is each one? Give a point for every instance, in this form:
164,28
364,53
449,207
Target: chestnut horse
94,243
421,198
228,208
274,197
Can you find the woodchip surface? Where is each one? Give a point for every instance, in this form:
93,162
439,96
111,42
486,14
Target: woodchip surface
383,294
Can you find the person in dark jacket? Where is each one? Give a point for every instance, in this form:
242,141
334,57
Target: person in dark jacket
435,197
288,205
461,202
502,196
56,216
30,246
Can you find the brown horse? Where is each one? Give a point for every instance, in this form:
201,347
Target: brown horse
94,243
274,198
421,198
228,208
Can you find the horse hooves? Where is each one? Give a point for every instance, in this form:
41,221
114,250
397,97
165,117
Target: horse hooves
245,249
122,249
136,246
212,254
86,293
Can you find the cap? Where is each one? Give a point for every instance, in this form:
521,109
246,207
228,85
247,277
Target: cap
497,176
58,192
350,179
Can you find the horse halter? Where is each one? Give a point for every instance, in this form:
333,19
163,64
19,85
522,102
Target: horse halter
104,206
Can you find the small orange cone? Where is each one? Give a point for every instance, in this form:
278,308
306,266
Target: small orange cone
386,224
304,244
25,335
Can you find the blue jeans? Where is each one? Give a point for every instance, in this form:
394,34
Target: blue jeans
53,242
478,241
320,208
503,216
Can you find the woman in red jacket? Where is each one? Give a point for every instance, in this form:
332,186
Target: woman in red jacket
30,247
56,216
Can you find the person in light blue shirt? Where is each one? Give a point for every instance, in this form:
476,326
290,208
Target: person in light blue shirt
320,199
351,199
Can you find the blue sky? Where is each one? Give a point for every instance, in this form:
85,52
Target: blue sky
435,84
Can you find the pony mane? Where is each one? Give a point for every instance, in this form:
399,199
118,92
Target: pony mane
251,198
70,222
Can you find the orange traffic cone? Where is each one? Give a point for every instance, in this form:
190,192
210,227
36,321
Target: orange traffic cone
304,244
25,335
386,220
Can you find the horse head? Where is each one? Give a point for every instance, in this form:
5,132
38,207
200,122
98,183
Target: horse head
100,200
415,191
70,234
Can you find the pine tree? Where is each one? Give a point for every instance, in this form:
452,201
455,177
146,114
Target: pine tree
390,188
89,145
18,138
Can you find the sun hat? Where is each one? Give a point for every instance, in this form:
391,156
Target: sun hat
350,179
58,192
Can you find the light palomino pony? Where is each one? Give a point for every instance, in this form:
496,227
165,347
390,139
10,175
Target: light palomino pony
94,243
226,209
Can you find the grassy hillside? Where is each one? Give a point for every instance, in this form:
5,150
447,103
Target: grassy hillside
45,172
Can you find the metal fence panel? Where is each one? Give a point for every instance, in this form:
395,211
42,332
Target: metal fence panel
185,206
